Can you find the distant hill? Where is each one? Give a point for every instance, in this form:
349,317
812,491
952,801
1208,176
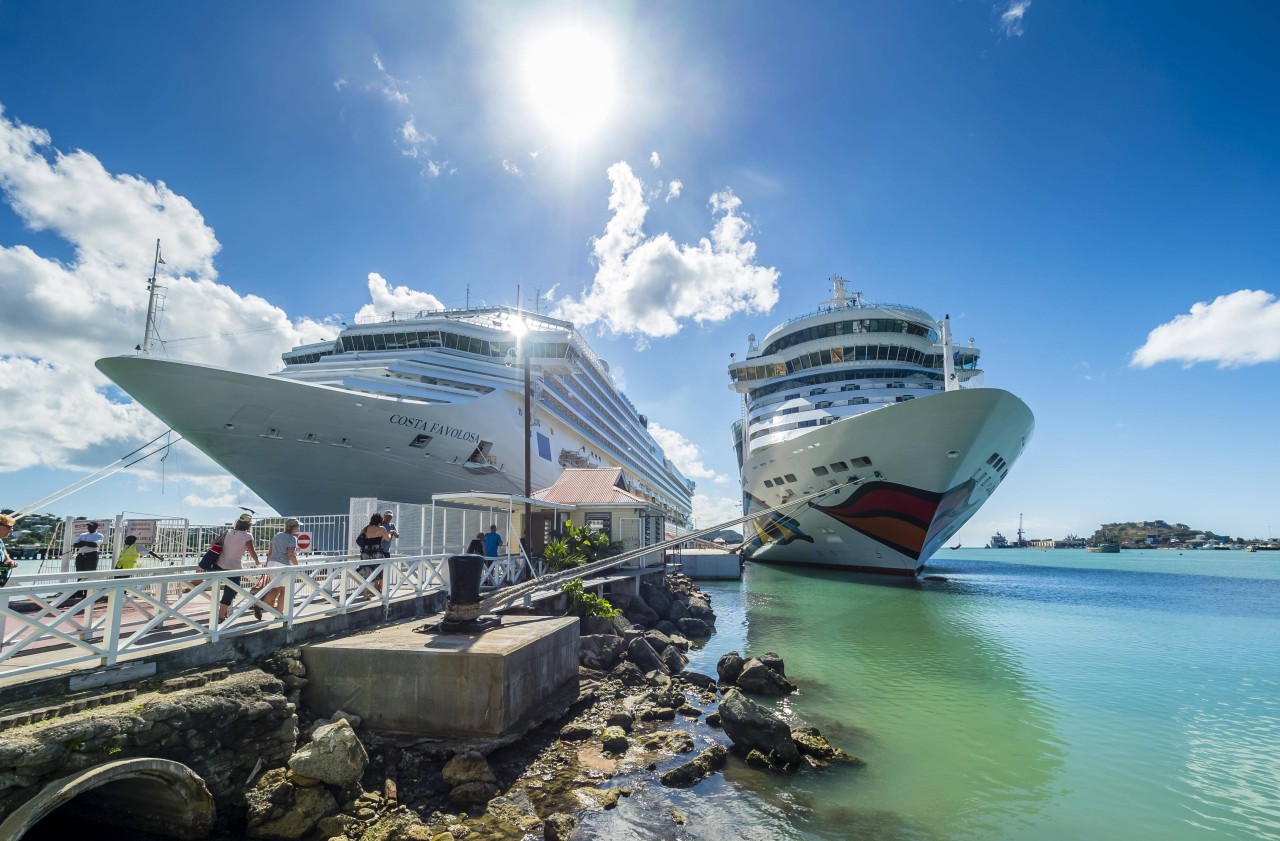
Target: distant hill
1138,532
731,537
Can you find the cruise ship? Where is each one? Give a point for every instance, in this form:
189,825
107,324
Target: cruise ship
403,406
874,402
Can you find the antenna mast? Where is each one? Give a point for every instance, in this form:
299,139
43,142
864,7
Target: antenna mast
152,286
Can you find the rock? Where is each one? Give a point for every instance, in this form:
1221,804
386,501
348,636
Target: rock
677,611
595,625
515,809
810,742
699,608
599,651
672,741
751,726
729,667
398,826
713,720
681,642
696,769
657,714
699,680
773,661
673,659
621,719
336,825
558,827
629,673
657,639
601,798
759,679
575,732
657,598
334,756
694,628
756,759
614,740
645,658
469,767
473,793
667,627
689,710
308,807
657,678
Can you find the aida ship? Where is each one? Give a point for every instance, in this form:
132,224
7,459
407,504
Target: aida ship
873,402
403,407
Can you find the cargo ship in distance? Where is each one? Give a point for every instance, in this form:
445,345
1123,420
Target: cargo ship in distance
402,406
875,393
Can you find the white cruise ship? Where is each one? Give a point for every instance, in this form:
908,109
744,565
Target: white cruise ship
875,392
403,407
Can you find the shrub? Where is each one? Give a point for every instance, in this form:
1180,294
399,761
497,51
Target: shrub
583,604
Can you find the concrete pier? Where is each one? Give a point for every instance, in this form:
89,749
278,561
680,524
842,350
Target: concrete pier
448,685
705,564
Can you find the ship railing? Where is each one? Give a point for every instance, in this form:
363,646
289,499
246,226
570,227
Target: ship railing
97,618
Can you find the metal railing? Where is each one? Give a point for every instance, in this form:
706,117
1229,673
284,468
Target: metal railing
95,618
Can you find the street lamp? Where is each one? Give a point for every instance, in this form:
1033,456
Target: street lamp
521,328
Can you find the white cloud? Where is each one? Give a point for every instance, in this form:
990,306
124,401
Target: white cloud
509,167
684,454
339,84
388,85
653,285
60,316
673,189
655,160
1011,16
1242,328
710,510
385,299
414,140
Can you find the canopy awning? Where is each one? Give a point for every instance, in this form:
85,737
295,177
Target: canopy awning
479,499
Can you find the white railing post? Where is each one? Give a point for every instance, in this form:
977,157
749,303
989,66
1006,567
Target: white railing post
291,584
111,628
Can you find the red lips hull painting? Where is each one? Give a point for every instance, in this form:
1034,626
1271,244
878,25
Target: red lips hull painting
907,520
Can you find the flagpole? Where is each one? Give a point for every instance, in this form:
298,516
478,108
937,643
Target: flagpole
151,303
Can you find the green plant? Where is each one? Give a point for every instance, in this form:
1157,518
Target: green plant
579,545
583,604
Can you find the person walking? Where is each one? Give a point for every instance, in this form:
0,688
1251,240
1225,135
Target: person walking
492,540
7,564
371,540
235,544
283,552
388,523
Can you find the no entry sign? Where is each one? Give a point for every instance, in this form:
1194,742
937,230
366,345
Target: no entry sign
304,541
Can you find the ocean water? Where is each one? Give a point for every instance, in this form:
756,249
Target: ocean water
1034,695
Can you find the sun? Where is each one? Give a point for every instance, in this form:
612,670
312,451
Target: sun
569,76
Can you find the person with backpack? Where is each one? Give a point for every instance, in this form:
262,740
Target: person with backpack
235,544
370,541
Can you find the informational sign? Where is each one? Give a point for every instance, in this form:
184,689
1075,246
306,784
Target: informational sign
144,530
304,541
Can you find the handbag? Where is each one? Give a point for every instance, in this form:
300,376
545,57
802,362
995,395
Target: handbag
209,562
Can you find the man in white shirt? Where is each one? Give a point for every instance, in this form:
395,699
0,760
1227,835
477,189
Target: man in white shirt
389,524
87,546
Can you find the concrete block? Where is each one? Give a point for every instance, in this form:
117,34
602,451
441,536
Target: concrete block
704,564
449,685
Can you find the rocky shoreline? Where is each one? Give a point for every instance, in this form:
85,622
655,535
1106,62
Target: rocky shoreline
637,708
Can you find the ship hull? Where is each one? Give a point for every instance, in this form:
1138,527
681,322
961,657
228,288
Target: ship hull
308,449
928,465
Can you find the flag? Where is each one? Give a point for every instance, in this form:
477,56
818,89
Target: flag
159,259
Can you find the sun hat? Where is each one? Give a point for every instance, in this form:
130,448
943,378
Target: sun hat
291,522
245,518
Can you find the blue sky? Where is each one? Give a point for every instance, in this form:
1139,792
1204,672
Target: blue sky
1062,178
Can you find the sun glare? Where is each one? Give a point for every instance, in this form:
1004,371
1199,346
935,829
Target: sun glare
569,75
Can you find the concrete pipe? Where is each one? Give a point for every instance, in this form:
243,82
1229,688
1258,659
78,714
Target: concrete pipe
158,796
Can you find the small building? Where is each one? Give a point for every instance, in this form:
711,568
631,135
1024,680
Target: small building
597,498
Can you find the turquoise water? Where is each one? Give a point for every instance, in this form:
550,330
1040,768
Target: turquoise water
1034,695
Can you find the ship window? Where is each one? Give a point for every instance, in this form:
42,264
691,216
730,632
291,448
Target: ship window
826,357
860,461
310,439
420,441
896,385
827,420
804,424
817,391
850,387
858,401
820,471
777,480
790,477
768,483
905,397
825,404
993,458
345,442
839,466
837,354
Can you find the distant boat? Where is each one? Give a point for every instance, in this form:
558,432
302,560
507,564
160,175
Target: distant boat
1109,547
998,541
